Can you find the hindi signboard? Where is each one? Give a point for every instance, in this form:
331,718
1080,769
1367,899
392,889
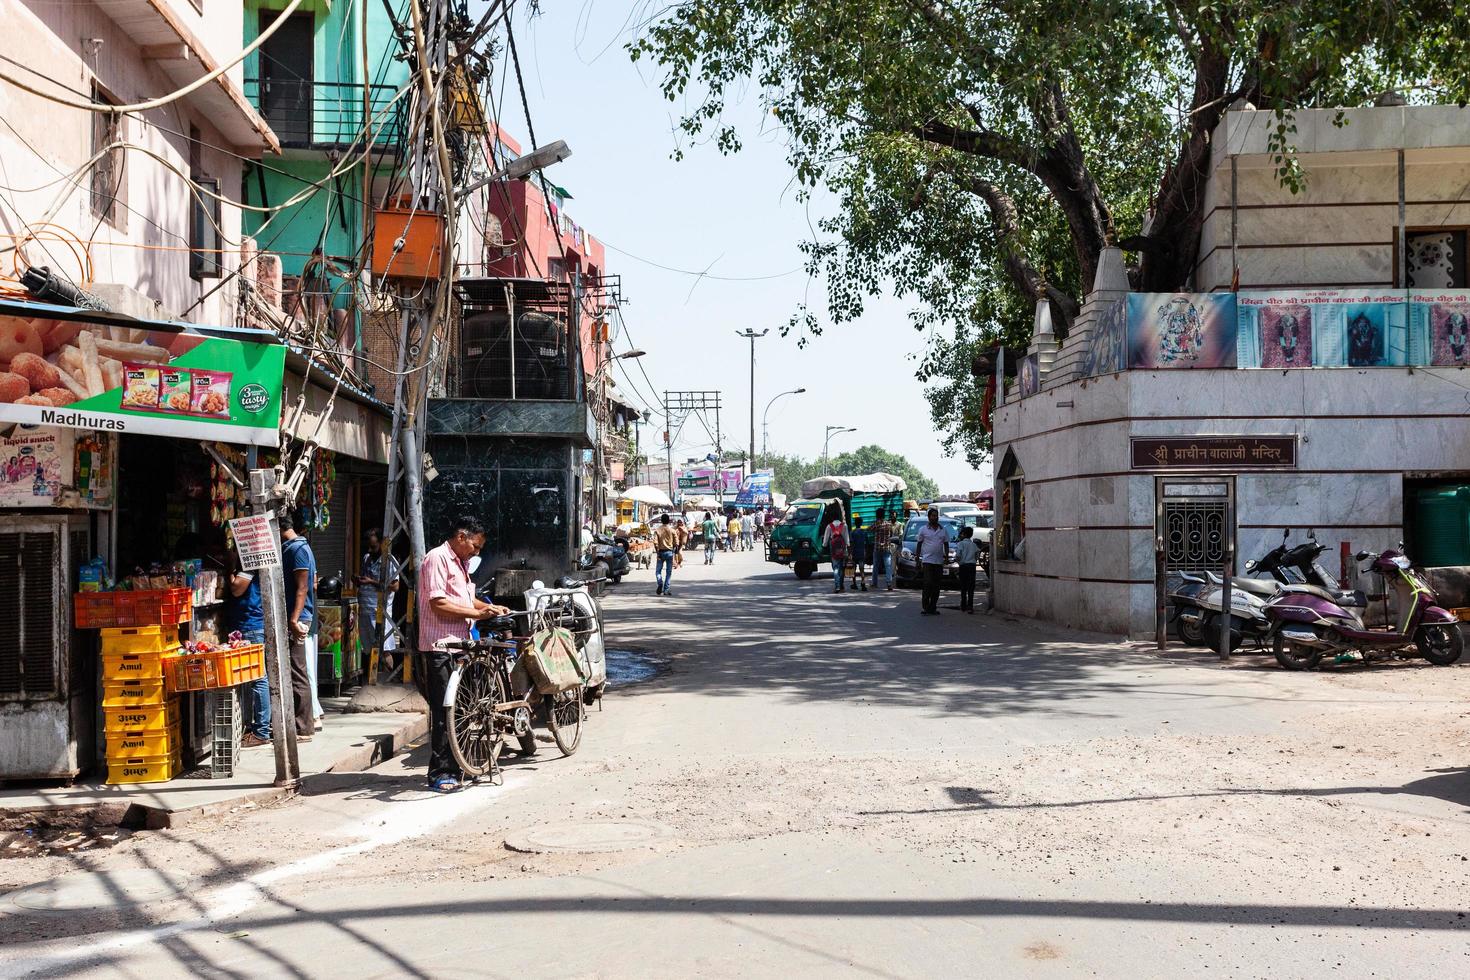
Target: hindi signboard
256,542
1214,453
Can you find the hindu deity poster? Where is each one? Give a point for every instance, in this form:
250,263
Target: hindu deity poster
1181,330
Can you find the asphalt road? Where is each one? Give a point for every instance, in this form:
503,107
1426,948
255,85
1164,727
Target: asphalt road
828,785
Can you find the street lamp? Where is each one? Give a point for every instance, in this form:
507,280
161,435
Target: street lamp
752,336
766,433
832,430
524,165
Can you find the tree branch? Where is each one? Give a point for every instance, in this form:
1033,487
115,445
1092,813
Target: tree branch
1007,222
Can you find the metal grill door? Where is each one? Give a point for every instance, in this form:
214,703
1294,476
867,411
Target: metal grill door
1195,534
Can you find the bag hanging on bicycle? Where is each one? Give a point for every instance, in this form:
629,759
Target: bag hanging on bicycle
552,661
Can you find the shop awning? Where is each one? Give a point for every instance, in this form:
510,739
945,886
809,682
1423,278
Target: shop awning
91,369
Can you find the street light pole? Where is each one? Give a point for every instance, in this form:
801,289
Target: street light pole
765,432
832,430
750,334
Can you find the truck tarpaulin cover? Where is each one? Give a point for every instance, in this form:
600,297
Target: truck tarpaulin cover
872,483
113,377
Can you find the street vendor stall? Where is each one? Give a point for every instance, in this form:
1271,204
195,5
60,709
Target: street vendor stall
117,432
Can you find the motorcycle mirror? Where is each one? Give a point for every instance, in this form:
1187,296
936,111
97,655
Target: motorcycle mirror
1250,565
1363,555
1312,534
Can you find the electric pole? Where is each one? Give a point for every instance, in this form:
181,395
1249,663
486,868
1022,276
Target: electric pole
752,336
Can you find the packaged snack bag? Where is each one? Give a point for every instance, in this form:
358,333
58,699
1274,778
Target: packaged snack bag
175,391
140,387
211,393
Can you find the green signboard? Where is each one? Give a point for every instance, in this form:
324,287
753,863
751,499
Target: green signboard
115,378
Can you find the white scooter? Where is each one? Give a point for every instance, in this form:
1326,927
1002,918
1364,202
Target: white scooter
573,606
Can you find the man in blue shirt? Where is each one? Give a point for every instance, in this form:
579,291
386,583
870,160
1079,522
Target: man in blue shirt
247,616
300,568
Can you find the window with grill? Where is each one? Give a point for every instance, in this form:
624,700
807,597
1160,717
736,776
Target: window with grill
28,598
109,170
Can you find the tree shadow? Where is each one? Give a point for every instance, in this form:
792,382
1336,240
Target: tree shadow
1449,785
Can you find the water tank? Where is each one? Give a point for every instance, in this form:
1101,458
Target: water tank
1441,518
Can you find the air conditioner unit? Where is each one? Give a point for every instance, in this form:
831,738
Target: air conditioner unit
47,685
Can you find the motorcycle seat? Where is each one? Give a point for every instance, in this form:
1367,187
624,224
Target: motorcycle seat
1317,591
1260,586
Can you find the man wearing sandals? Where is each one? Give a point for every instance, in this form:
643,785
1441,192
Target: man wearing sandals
447,606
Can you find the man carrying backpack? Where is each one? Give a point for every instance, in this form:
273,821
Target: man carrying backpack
835,539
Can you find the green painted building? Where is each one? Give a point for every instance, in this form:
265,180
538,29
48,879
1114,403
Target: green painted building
332,66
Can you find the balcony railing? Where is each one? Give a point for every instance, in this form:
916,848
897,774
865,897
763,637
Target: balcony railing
307,115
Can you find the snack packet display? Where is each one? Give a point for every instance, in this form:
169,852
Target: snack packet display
140,387
176,391
211,393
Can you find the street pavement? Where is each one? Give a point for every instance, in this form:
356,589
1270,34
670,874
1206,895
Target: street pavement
830,785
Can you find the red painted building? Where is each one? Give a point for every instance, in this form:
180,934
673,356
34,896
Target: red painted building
517,231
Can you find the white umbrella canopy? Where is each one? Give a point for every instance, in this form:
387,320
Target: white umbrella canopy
652,496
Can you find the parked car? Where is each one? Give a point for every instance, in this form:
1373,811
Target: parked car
908,562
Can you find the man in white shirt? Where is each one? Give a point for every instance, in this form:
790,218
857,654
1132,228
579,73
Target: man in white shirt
932,550
747,532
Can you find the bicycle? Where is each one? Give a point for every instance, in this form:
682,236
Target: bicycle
480,712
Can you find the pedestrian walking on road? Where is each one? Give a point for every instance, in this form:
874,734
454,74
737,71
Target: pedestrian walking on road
883,560
933,551
447,606
681,528
861,543
732,533
747,532
666,543
711,532
967,553
836,540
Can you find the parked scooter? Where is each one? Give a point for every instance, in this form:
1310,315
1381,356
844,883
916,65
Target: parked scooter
605,558
1308,623
1198,600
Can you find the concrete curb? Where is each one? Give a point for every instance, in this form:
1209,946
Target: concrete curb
121,812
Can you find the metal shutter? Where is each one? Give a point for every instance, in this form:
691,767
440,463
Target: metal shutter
28,598
11,646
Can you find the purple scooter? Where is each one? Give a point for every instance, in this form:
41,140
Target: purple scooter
1308,622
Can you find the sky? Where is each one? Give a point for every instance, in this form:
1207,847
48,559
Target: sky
736,216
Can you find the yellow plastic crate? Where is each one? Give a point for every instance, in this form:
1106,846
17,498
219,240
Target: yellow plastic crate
133,693
153,718
143,769
156,640
132,666
130,745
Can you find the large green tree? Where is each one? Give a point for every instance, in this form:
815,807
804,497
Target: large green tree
983,152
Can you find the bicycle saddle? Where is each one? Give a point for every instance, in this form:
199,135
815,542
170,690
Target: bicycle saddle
498,623
567,582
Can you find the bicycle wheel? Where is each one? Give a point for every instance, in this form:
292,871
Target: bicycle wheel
474,738
564,716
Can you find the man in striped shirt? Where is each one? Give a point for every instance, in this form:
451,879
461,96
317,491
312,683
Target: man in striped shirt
447,606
